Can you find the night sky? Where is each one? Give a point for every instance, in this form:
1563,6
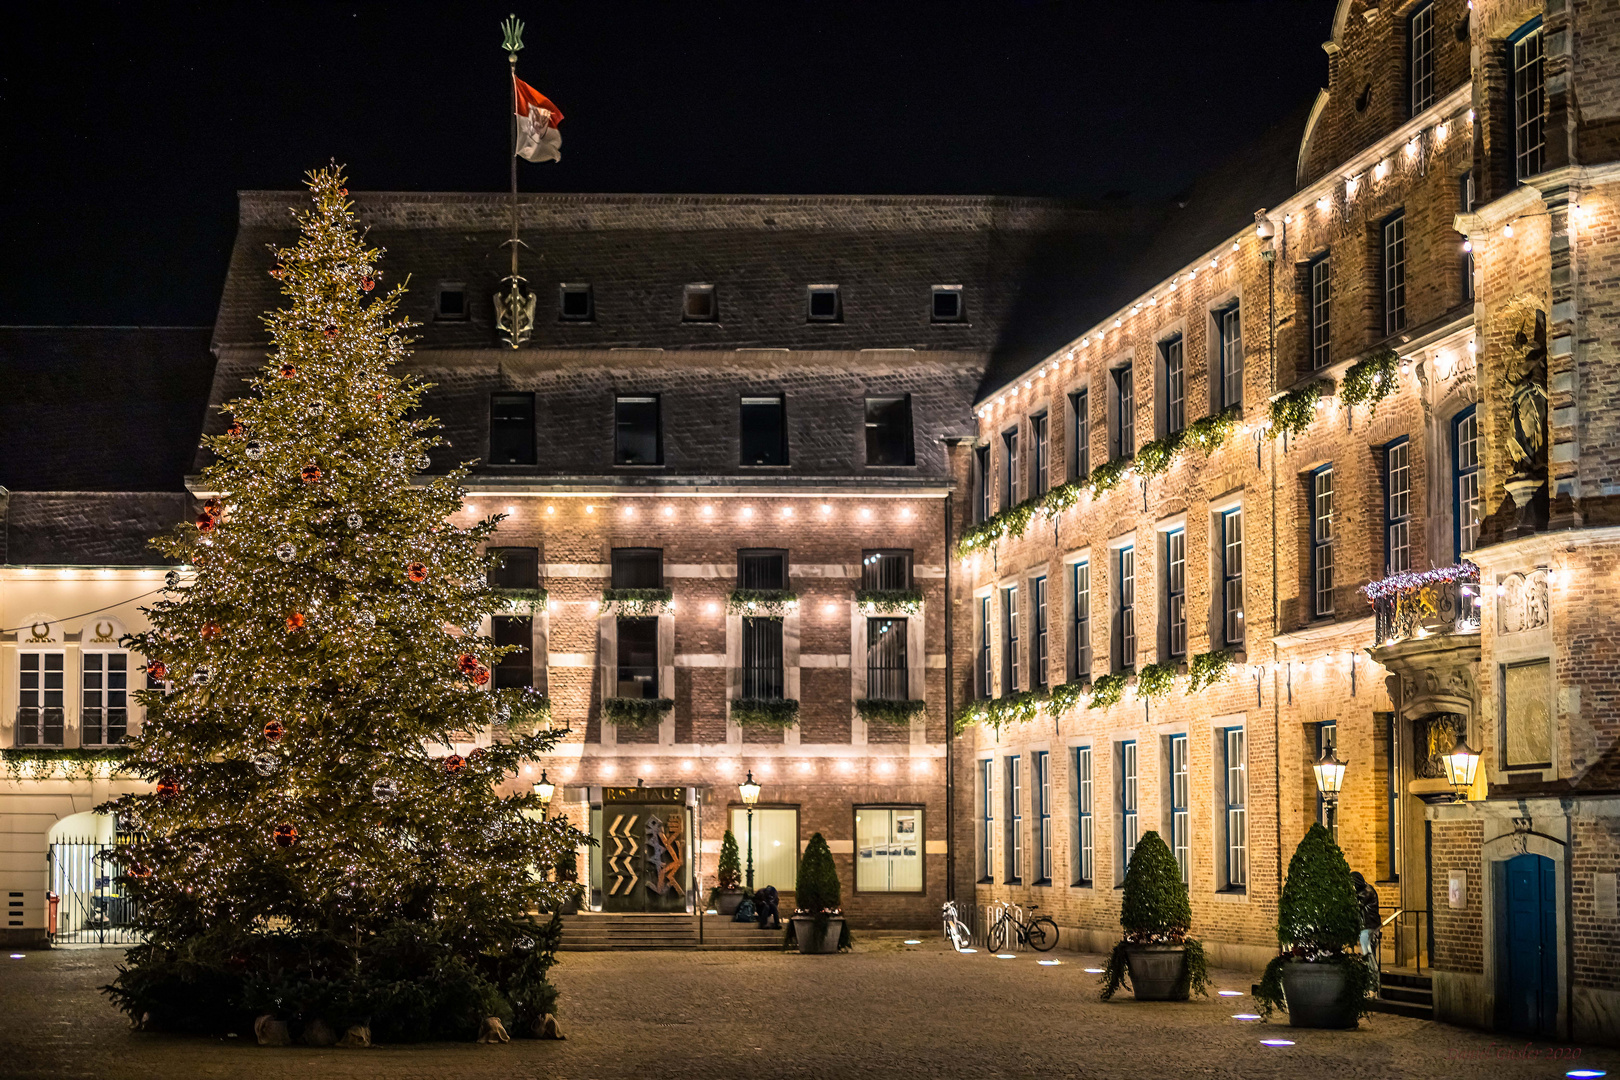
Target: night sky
127,131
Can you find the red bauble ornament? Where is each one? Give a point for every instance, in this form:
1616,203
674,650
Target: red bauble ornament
476,756
343,191
287,371
481,676
274,731
454,763
157,670
167,788
275,271
139,870
205,523
286,835
295,621
368,284
467,663
236,431
331,332
310,473
199,559
210,631
416,572
213,508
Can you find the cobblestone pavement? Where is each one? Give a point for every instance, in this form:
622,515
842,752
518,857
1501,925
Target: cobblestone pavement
884,1011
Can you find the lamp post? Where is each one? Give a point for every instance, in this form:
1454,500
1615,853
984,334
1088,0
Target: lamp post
750,796
1461,764
1329,779
545,789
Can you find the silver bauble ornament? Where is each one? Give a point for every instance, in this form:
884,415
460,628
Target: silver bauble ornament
366,619
266,764
397,459
285,552
384,789
254,451
354,520
524,943
316,408
423,461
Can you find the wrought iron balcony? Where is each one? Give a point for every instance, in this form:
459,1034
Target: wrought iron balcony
1421,604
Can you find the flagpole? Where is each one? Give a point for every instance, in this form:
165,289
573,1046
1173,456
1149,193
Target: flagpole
514,310
514,42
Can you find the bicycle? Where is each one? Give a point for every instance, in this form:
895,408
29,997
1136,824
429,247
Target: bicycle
956,931
1039,933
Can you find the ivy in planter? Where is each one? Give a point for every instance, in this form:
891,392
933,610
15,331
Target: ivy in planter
1107,691
1155,680
761,603
1066,696
1292,413
531,601
1155,911
765,712
628,712
1207,669
890,601
77,763
1318,921
882,711
1371,379
638,602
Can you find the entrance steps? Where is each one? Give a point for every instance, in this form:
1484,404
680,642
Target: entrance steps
602,931
1403,992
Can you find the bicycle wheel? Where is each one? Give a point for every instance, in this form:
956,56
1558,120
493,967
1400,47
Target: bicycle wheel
996,939
1043,934
959,935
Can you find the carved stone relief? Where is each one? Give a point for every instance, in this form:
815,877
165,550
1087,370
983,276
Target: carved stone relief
1521,602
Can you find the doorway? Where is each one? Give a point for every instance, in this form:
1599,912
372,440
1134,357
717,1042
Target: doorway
646,849
1527,945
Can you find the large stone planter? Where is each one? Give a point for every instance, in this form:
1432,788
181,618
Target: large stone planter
1158,972
804,931
1315,995
726,903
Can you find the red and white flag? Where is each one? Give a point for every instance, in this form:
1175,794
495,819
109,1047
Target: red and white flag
537,120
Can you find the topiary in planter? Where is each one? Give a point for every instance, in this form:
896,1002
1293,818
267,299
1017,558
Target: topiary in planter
819,894
1318,922
1155,911
729,873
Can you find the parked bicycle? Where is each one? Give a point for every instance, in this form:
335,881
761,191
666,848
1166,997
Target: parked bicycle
956,931
1038,932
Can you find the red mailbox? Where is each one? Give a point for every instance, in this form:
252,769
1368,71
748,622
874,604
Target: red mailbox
52,903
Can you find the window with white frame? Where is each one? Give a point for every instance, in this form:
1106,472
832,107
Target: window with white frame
1397,507
40,695
1235,794
1229,330
1009,640
1322,541
1037,454
1015,820
1420,58
1037,634
1529,101
1175,591
987,819
1395,274
1124,413
984,505
1129,831
1180,816
888,849
1125,617
986,682
104,685
1465,480
1080,626
1465,202
1009,468
1084,835
1321,312
1172,361
1079,435
1042,794
1231,550
887,669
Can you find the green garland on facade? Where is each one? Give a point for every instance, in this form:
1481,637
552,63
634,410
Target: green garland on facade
890,601
1063,497
997,713
531,600
881,711
77,763
761,603
1155,458
1209,433
1292,413
1155,680
1066,696
1107,691
1106,477
1207,669
779,713
639,602
636,712
1371,379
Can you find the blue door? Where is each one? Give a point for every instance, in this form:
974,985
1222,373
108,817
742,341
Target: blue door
1529,987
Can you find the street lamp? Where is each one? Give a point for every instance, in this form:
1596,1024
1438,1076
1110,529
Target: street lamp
1329,779
1460,766
750,796
545,789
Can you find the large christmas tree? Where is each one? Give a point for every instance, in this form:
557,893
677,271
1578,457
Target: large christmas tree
314,848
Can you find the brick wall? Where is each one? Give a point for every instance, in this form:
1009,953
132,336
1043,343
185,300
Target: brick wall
1459,933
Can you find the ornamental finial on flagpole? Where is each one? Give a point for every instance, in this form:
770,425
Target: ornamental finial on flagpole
512,36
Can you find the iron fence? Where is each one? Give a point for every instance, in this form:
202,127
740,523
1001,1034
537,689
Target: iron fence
92,907
979,918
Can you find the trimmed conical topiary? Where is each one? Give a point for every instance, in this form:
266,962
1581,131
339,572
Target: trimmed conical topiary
818,890
729,873
1155,911
1318,919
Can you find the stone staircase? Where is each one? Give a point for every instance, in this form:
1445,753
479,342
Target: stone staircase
599,932
1403,992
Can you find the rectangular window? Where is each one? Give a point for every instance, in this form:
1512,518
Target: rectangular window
1232,576
575,303
1420,56
1080,613
1180,817
104,718
637,568
40,695
1397,508
1124,413
1229,329
452,305
1172,357
514,567
1322,541
888,430
762,422
1465,480
762,568
1465,202
947,304
1079,435
515,669
1084,836
822,304
511,429
1015,820
987,819
1327,812
1009,468
982,504
699,304
888,849
1037,454
773,843
1125,621
1009,641
1236,793
638,437
886,666
1529,102
986,683
638,657
761,659
1042,794
886,570
1395,274
1129,824
1038,655
1321,312
1393,788
1175,585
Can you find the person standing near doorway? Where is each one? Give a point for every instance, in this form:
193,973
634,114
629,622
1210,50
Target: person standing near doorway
1371,927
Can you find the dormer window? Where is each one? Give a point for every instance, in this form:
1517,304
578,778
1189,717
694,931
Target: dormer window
947,304
452,306
575,303
822,304
699,304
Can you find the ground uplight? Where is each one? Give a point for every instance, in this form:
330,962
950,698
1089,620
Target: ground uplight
1245,1016
1049,963
1230,993
1276,1042
1094,971
913,941
1006,956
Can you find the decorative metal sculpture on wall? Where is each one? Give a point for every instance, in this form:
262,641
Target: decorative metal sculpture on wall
644,850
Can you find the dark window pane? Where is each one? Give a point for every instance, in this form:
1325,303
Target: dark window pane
888,430
574,303
638,658
761,569
515,669
824,304
636,432
638,568
518,568
947,305
698,304
886,667
511,429
886,570
452,302
762,658
764,431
